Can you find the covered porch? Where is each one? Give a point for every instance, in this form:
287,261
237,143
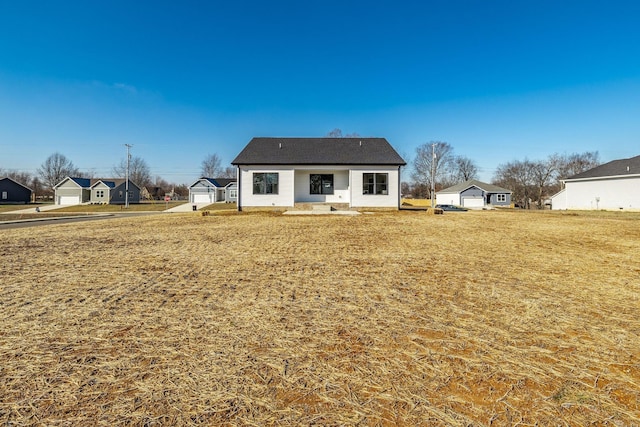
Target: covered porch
322,186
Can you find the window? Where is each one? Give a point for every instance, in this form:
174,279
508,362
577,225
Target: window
321,184
100,194
5,196
501,197
265,183
375,183
233,193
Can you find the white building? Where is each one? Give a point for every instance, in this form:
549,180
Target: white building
349,172
611,186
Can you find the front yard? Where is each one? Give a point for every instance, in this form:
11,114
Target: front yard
402,318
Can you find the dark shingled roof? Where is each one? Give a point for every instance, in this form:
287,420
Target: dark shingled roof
82,182
318,151
614,168
219,182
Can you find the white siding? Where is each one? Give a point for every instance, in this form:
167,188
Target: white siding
358,199
285,195
609,193
559,201
340,185
448,199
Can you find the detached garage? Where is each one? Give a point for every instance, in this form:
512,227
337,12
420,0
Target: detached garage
474,194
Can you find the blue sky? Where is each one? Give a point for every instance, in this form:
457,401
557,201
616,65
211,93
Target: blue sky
498,80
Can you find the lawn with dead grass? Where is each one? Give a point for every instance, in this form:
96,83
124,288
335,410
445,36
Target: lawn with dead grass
474,318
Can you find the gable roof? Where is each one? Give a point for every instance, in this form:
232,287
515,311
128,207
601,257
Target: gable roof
80,182
224,182
15,182
111,183
318,151
216,182
621,167
489,188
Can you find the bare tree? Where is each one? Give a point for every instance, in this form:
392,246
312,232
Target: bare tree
542,174
139,172
425,159
211,167
465,168
24,178
228,172
517,177
56,168
573,164
337,133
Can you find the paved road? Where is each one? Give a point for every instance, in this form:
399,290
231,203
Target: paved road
36,222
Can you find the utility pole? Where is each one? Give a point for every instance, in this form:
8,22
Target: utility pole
433,174
126,182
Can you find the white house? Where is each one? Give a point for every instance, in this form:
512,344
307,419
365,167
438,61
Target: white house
613,185
474,194
349,172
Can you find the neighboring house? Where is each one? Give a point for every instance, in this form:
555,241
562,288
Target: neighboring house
13,192
212,190
474,194
113,192
353,172
74,191
613,185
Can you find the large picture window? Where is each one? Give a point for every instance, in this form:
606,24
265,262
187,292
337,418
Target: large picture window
375,183
321,184
265,183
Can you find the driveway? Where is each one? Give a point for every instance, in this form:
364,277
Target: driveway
187,207
43,208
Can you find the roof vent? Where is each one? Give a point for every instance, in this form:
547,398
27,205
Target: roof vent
279,144
360,143
627,168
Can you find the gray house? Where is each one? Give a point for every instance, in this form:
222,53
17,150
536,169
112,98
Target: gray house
13,192
474,194
113,192
74,191
212,190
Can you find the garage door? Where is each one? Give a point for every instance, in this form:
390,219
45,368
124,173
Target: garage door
201,198
473,202
69,200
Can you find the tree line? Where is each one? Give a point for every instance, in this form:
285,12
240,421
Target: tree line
531,181
57,167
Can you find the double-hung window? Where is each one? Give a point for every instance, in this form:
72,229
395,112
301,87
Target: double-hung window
265,183
375,183
501,197
321,184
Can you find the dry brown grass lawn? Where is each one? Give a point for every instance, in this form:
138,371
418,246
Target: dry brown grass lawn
476,318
